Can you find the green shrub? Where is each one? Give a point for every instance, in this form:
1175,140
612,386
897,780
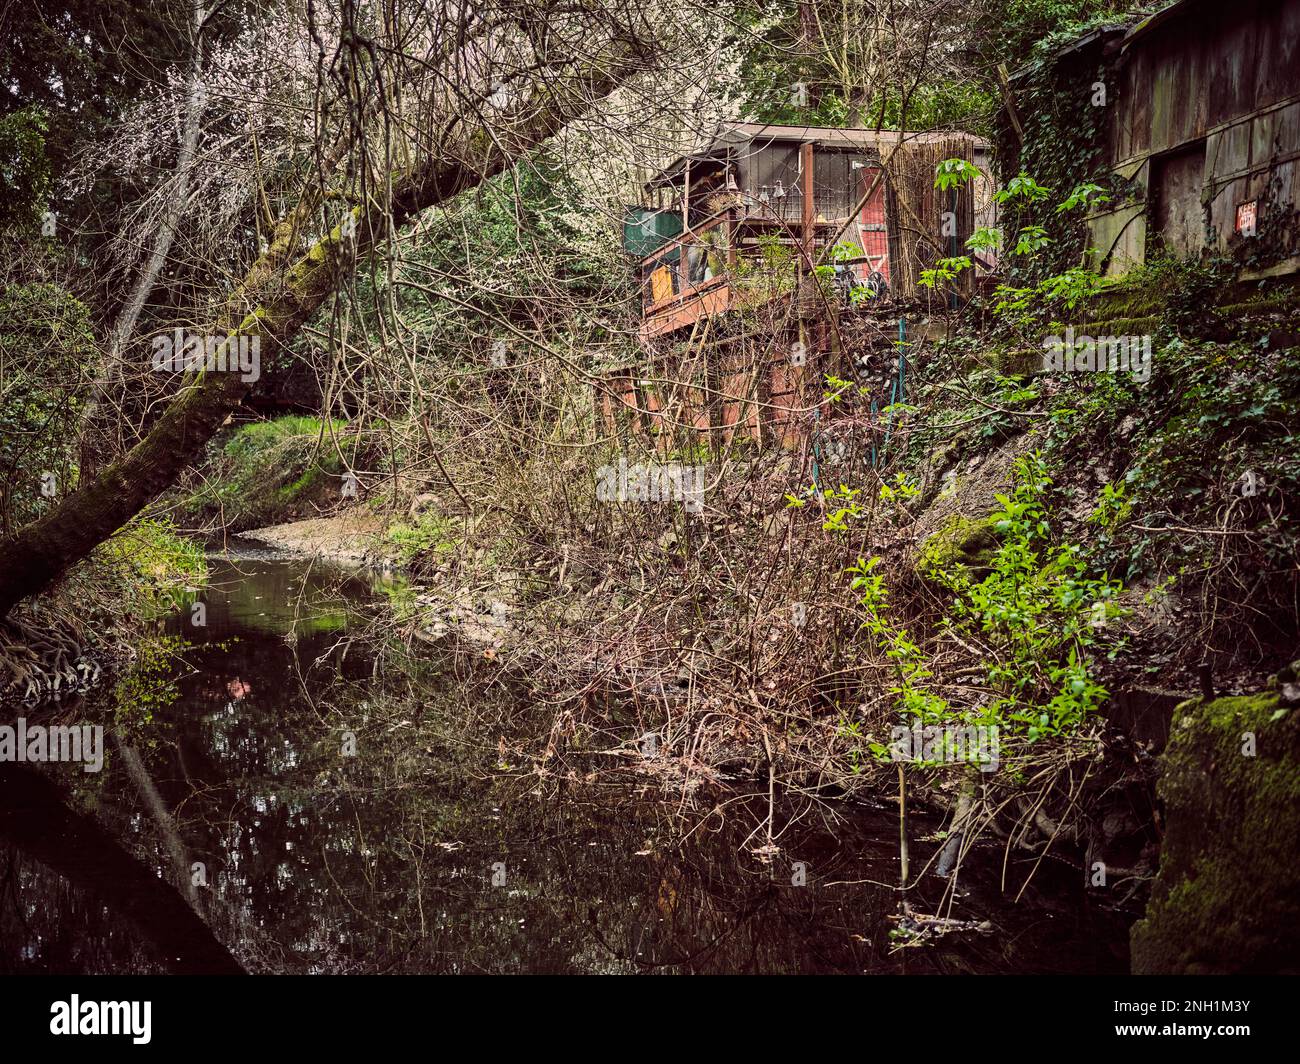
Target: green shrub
46,348
1030,606
149,567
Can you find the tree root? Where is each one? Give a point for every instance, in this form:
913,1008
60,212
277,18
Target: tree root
49,663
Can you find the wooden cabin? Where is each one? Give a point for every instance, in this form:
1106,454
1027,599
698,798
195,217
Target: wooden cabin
725,244
753,187
1202,127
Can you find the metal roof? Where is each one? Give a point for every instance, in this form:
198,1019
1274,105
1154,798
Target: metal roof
1100,33
730,136
1141,29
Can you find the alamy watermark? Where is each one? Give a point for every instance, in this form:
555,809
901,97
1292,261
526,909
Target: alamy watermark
57,742
651,483
180,351
1098,354
79,1017
948,743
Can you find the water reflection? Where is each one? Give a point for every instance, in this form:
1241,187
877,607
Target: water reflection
335,817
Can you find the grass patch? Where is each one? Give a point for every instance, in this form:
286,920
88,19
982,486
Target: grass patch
269,472
428,537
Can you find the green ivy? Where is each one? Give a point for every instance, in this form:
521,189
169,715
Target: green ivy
24,168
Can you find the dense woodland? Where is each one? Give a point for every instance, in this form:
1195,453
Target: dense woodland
323,366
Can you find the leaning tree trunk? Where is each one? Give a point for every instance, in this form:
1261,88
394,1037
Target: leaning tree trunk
276,297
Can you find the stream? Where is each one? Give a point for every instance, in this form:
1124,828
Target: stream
333,808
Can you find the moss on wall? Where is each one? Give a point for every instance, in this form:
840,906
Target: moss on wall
1227,898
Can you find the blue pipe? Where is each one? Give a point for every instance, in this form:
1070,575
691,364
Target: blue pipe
897,393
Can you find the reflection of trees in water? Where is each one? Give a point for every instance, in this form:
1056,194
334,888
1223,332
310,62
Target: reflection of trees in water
383,861
48,926
38,819
319,862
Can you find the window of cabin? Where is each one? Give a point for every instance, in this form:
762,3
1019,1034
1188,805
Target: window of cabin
837,183
771,181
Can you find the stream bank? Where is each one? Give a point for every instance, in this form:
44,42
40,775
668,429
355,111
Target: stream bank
1227,899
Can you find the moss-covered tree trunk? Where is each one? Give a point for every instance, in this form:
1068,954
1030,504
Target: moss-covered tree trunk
276,297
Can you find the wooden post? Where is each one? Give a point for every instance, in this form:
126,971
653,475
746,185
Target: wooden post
686,200
683,255
902,827
809,215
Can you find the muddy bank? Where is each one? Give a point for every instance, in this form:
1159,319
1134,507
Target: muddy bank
353,537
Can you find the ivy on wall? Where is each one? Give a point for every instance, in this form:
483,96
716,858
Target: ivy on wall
1061,99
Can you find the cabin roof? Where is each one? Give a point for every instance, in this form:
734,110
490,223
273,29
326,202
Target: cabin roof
1177,9
729,137
1100,35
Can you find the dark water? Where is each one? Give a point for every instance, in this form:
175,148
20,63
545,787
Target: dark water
345,810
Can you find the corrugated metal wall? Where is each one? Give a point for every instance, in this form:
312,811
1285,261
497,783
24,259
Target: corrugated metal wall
765,166
836,184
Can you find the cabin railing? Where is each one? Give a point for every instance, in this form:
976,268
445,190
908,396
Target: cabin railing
697,259
700,259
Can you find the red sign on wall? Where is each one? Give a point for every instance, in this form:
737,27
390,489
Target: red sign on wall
1246,218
